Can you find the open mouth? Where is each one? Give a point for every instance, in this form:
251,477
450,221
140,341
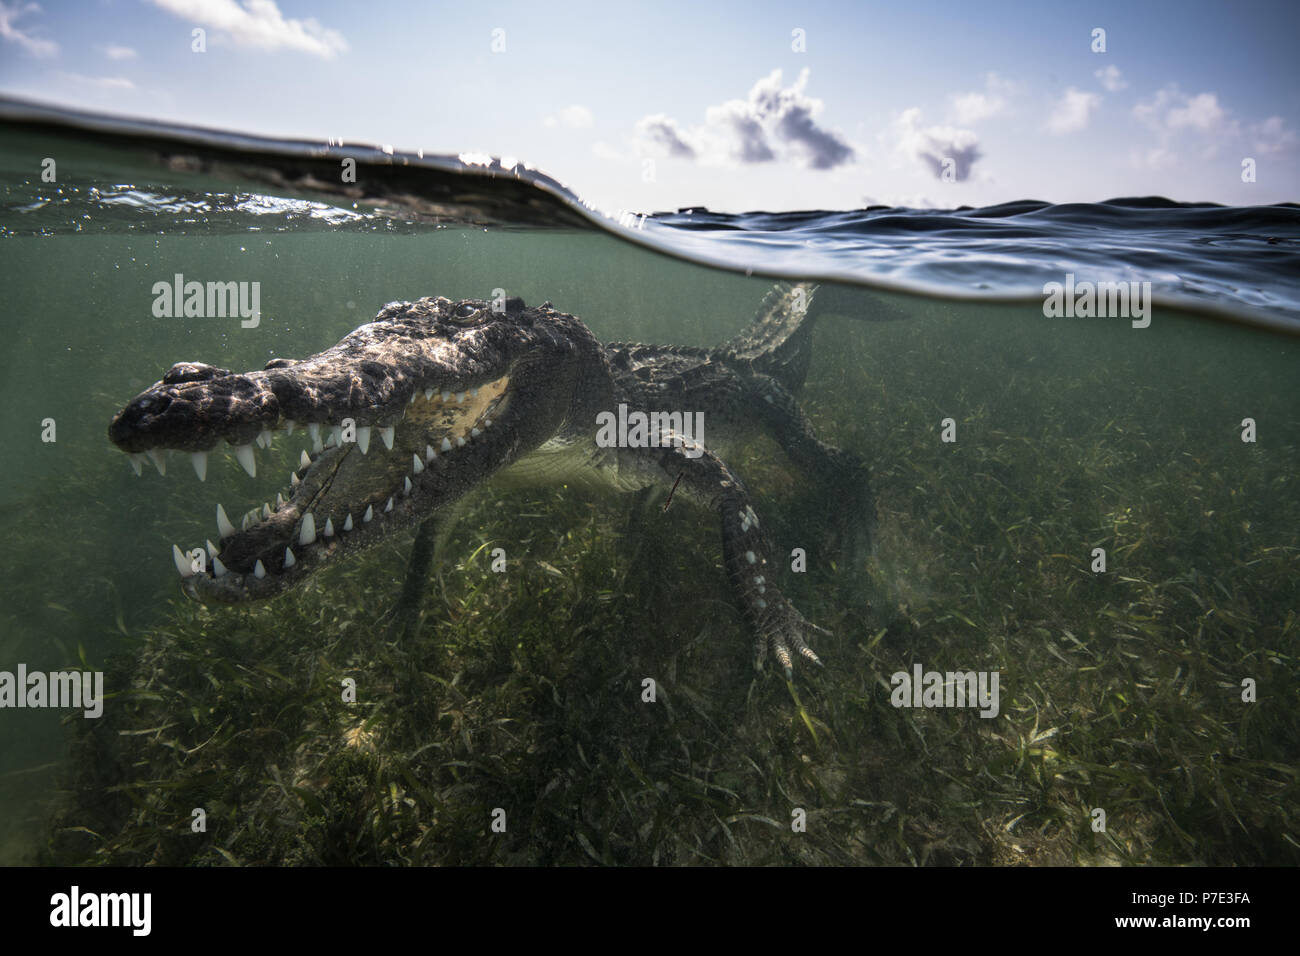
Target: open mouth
356,485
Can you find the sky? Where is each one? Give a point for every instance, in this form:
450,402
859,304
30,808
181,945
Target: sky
737,107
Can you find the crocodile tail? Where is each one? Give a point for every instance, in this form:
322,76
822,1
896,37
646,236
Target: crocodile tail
778,342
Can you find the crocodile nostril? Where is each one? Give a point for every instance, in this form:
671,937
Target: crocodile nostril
192,372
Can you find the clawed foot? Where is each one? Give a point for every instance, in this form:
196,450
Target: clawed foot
782,631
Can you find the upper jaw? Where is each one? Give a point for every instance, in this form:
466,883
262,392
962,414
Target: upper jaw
195,411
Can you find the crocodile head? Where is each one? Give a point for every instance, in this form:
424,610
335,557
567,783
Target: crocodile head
415,408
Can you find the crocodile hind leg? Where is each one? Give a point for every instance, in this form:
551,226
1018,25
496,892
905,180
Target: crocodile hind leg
701,476
844,479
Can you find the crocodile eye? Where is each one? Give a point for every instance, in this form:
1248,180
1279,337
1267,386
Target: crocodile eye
465,313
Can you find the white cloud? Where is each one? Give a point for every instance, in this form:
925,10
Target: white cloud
1111,79
1156,159
1073,111
115,51
1201,112
1171,109
773,123
259,24
1271,136
571,117
13,34
1149,112
935,147
1175,115
975,106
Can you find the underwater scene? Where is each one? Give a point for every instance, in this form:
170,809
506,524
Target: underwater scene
427,517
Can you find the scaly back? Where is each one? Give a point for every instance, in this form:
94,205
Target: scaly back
778,342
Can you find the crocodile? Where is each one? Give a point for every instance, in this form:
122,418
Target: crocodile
434,397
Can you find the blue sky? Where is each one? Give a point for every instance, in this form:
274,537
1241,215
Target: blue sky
656,106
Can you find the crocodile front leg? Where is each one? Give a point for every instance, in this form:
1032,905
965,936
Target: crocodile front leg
706,480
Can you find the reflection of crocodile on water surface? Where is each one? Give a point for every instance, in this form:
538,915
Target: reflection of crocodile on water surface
444,395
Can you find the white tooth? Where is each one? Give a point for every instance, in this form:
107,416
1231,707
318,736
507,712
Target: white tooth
289,425
279,501
159,460
213,550
267,437
304,461
487,423
137,460
460,397
446,396
329,527
266,509
460,441
289,559
336,435
411,400
316,446
182,563
446,445
386,434
200,461
243,524
347,522
363,438
370,513
474,433
417,466
259,571
428,393
218,569
389,507
308,532
406,485
293,479
330,442
244,455
429,453
313,429
224,527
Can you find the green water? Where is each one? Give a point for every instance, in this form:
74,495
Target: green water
1120,690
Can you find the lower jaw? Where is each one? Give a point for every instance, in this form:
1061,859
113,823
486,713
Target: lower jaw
318,537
